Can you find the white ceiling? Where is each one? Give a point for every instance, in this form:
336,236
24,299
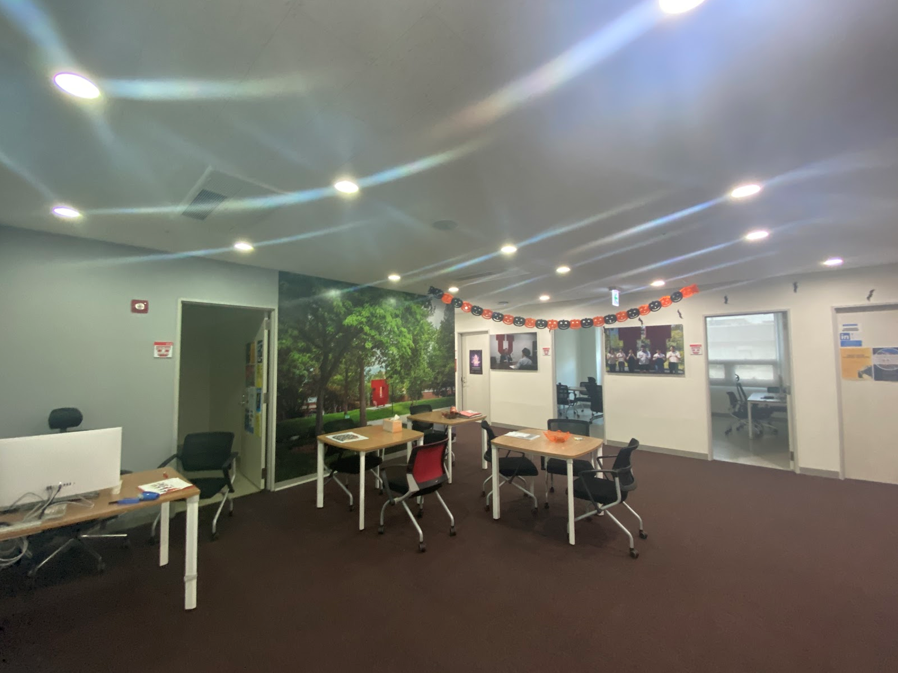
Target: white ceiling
577,129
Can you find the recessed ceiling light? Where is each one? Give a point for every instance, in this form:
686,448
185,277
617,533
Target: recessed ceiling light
66,212
563,270
346,186
678,6
508,249
658,283
243,246
452,290
394,277
833,261
744,191
544,297
77,85
757,235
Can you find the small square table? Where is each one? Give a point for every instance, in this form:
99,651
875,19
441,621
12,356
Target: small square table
438,418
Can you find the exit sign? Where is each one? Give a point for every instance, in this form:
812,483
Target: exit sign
615,297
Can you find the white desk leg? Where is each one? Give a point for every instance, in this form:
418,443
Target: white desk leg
319,493
750,426
570,501
190,546
483,464
495,483
449,467
164,514
361,490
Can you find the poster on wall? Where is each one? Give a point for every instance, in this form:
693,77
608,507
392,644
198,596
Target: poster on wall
656,349
514,352
475,362
250,376
850,335
856,364
885,364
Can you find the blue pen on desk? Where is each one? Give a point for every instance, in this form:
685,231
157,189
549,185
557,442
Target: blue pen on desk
133,501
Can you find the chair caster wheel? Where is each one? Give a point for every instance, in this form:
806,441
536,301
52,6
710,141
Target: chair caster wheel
451,531
214,536
380,530
419,514
546,505
535,510
126,544
152,540
551,489
101,567
643,535
350,508
422,547
486,509
231,513
634,553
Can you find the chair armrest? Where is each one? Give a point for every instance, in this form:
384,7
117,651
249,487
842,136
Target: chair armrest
230,461
226,470
168,460
386,482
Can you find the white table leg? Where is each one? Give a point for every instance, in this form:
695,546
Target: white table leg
483,464
164,514
570,501
449,467
319,493
495,483
750,425
190,547
361,490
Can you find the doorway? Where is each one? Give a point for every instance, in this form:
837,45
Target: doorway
579,363
475,372
749,375
868,372
223,383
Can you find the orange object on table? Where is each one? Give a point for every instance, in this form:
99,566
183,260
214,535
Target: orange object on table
557,436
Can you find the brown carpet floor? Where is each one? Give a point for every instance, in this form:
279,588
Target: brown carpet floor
745,569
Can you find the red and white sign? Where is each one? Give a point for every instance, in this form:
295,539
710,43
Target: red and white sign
696,349
140,306
545,350
163,349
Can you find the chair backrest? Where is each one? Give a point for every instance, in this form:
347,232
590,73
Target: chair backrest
420,409
64,418
426,467
624,462
740,390
337,425
596,405
591,380
574,426
734,401
562,393
206,450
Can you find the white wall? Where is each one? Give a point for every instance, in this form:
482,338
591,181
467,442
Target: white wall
673,412
69,338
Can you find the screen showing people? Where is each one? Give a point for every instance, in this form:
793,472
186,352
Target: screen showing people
515,352
657,349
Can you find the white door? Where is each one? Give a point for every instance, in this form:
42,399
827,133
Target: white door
255,411
869,381
475,388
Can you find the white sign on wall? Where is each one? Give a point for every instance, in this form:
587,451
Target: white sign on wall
163,349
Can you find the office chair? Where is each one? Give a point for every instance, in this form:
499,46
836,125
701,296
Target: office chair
596,405
739,411
204,452
510,468
342,461
424,474
430,435
553,466
563,398
760,416
611,489
65,418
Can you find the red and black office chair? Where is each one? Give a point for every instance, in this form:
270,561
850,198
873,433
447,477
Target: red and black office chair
553,466
510,468
424,474
605,489
342,461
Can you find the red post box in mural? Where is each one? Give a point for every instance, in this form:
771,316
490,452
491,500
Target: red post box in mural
380,392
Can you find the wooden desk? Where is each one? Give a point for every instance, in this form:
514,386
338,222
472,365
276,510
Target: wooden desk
437,417
377,439
103,510
541,446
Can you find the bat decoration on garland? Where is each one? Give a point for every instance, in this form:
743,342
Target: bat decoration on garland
634,313
870,296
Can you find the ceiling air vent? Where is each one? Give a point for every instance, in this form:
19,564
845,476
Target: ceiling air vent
203,204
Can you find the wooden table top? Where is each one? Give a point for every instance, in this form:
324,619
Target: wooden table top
541,446
102,509
437,417
377,438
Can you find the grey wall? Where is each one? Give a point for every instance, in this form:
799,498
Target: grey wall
68,338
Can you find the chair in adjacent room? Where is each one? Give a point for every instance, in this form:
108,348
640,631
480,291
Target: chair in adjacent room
553,466
606,488
739,411
581,398
510,468
596,405
206,452
563,398
424,474
343,461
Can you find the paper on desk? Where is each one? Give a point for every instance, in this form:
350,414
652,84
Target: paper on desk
520,435
165,486
344,437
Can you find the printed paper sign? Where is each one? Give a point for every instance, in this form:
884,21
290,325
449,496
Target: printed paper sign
850,335
856,364
163,349
696,349
885,364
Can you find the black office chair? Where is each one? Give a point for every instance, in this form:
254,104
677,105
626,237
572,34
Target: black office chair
343,461
760,416
611,489
204,452
510,468
424,474
739,411
430,434
563,398
553,466
581,399
596,405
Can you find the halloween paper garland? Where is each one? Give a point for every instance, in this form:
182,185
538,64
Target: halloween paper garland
575,323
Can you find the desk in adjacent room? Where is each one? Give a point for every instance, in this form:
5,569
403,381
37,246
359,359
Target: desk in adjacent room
103,509
438,418
772,399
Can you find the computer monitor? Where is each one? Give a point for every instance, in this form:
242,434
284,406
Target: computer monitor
83,462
